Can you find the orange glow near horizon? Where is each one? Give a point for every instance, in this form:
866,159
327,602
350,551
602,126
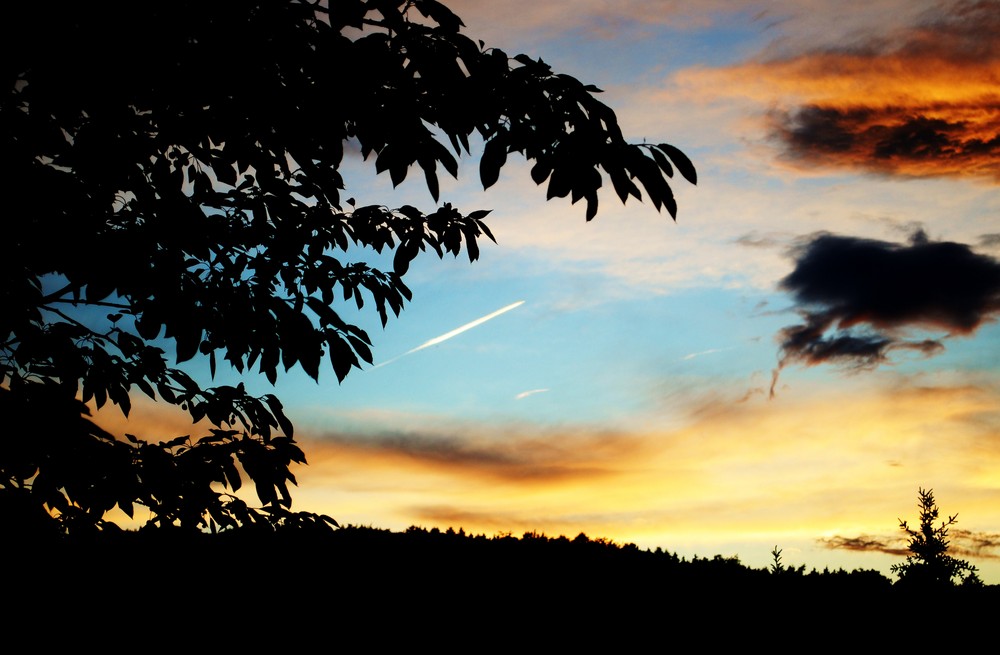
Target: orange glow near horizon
788,470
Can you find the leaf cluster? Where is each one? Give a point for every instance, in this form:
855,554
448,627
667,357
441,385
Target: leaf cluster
183,175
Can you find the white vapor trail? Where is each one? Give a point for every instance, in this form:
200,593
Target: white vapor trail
707,352
454,333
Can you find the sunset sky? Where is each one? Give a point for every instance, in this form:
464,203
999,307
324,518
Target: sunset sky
810,342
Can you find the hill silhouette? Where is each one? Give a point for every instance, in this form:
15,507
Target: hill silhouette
555,590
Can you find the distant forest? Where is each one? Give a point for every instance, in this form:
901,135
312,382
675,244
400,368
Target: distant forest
454,581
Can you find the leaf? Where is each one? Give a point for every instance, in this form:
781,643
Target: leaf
176,441
662,161
166,393
279,413
411,213
446,159
188,338
147,325
286,498
405,253
680,160
486,231
342,358
265,492
494,157
398,173
540,171
624,186
430,175
309,361
471,246
361,348
225,173
232,474
119,396
591,204
441,14
560,184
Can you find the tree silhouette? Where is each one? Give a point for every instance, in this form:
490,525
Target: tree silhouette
930,564
172,179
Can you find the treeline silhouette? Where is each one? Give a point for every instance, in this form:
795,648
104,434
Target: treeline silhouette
435,580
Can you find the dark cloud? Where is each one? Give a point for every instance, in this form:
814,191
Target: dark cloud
858,298
920,102
902,140
887,285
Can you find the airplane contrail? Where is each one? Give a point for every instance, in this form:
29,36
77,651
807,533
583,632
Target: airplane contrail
707,352
454,333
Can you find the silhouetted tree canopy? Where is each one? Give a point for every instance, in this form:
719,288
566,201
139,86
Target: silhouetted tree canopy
171,174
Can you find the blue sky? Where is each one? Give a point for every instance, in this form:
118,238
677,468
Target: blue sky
629,395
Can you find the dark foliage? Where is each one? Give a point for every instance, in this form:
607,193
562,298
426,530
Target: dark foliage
171,173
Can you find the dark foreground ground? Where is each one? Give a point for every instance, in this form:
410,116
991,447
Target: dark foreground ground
375,590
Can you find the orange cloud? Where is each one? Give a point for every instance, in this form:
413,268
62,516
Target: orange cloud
536,460
912,140
920,102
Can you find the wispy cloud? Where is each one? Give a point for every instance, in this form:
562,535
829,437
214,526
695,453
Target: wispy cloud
811,22
454,333
963,543
989,240
532,392
865,543
976,544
